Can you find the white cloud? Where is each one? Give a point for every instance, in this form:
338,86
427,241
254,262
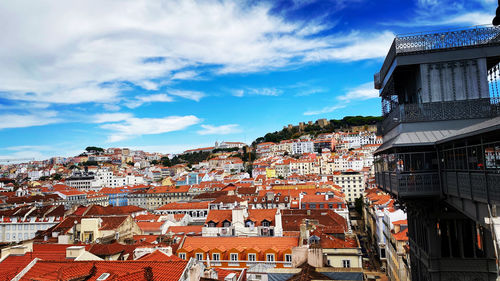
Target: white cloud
238,93
83,94
111,117
170,148
258,92
362,92
449,13
111,107
191,95
309,92
29,147
324,110
36,118
219,130
183,75
132,127
353,47
140,100
100,42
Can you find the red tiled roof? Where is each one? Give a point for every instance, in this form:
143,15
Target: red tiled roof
222,273
148,217
111,223
97,210
12,265
148,226
159,256
331,242
226,199
402,235
185,229
399,222
185,205
118,270
112,249
226,243
145,238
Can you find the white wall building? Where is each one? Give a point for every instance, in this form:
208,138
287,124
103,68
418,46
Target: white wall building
303,147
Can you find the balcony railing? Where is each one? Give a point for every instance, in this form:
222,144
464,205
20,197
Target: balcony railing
478,185
478,36
440,111
410,184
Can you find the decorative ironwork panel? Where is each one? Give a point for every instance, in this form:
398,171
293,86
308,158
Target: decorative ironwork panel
464,185
439,111
387,182
493,181
479,191
418,184
451,183
423,42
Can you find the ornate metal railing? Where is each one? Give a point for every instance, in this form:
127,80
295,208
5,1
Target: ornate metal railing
440,111
429,41
434,41
476,185
410,184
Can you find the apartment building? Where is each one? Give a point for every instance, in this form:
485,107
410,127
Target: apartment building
23,222
352,184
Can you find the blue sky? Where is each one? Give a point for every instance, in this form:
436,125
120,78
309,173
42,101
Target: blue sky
171,75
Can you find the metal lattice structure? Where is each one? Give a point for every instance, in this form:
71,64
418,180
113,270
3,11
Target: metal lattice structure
423,42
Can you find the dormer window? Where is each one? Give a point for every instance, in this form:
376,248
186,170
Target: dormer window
266,223
226,223
211,224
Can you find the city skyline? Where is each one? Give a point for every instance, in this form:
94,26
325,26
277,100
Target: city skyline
116,75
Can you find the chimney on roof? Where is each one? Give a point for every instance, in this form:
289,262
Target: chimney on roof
19,250
231,277
73,252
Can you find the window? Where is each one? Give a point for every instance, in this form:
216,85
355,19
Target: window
346,263
270,257
25,227
199,256
7,236
252,257
234,257
288,258
265,223
25,236
7,227
215,256
182,256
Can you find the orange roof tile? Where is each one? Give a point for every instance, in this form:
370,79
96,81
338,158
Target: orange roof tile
121,270
184,205
243,243
402,235
159,256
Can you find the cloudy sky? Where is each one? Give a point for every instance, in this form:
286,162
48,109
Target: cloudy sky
170,75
